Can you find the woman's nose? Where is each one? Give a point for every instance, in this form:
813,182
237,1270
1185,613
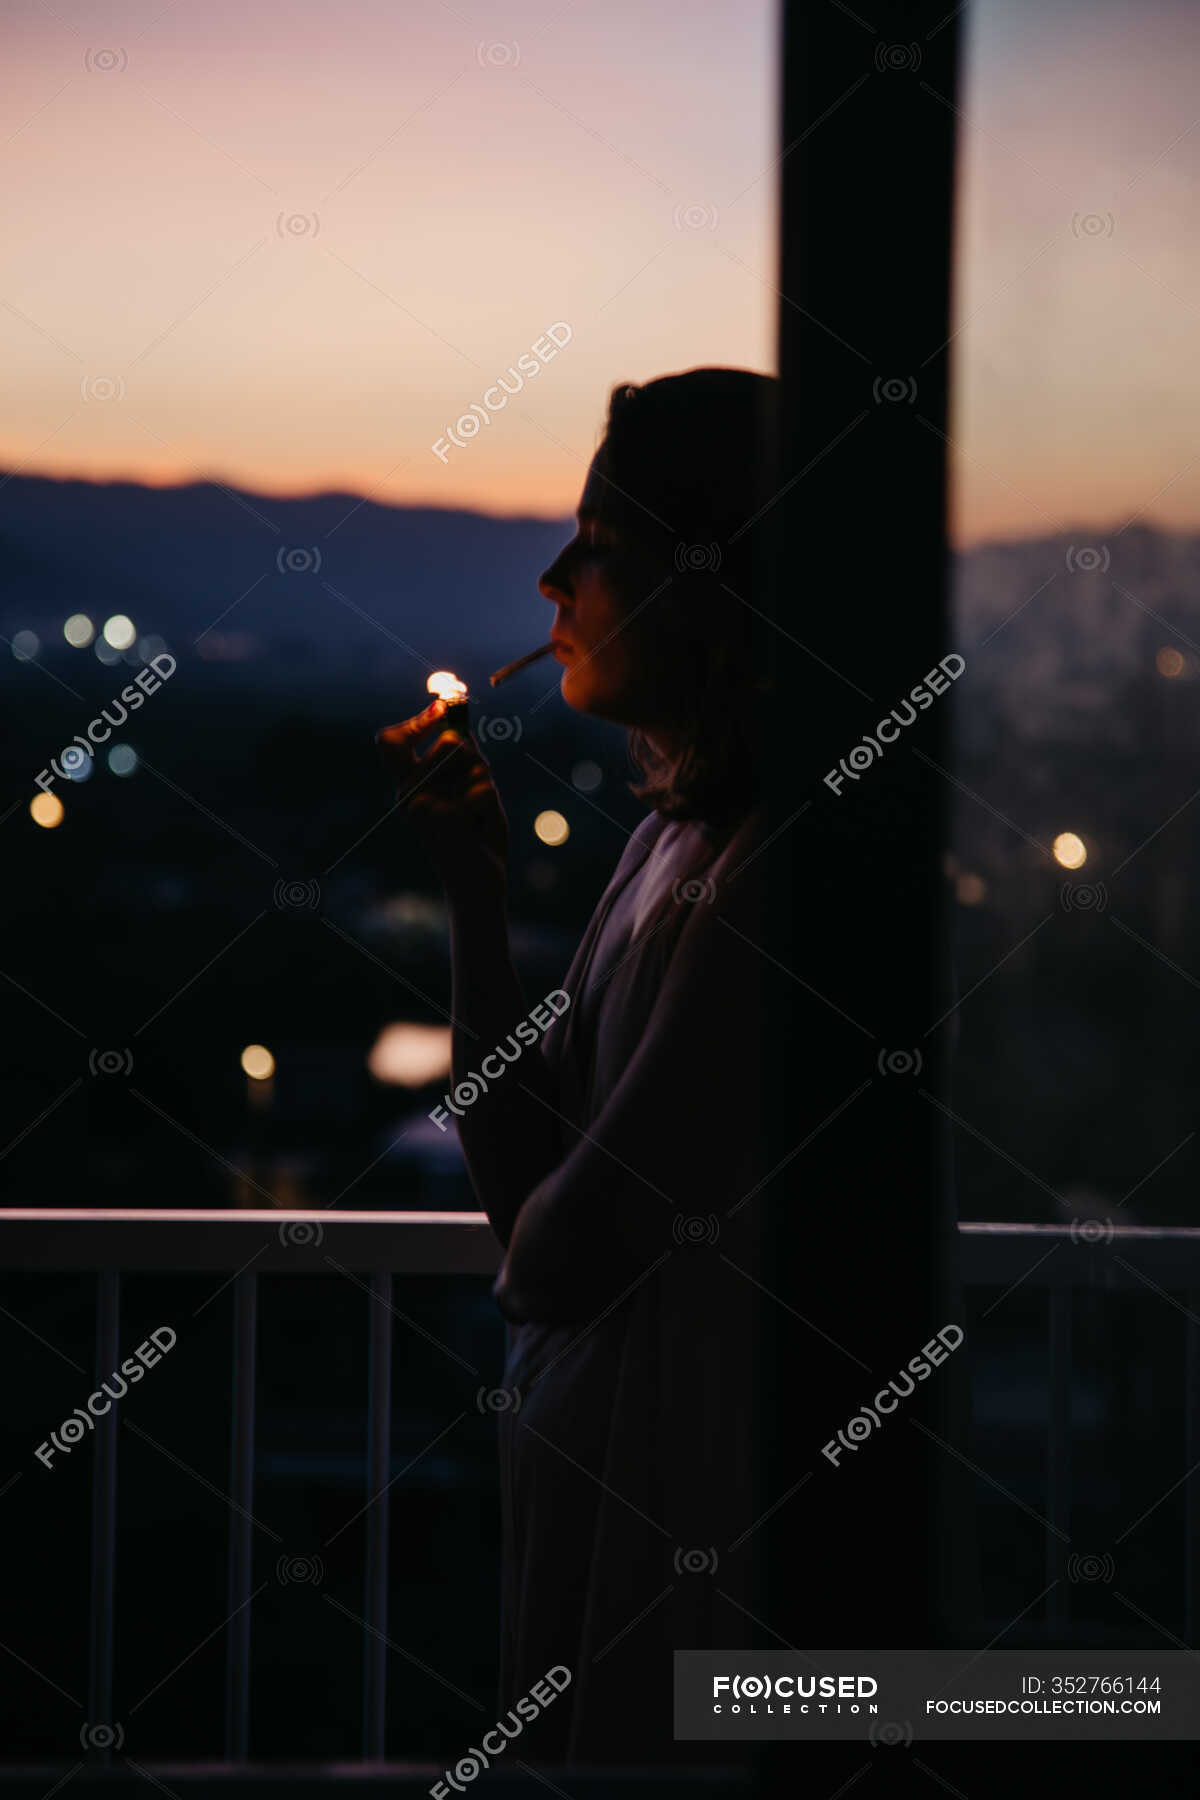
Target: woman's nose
552,584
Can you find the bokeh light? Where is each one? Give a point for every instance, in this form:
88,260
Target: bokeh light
410,1055
258,1062
25,645
46,810
107,655
122,759
970,890
119,631
551,828
79,630
1169,662
1070,850
587,776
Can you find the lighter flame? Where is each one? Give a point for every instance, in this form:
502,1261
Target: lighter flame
445,685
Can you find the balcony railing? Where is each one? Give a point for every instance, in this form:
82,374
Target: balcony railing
379,1245
1100,1258
1059,1259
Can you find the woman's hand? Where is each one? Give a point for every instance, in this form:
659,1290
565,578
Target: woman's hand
450,801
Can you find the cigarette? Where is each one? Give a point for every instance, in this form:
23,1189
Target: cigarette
522,662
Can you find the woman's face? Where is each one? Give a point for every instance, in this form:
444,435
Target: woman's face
604,585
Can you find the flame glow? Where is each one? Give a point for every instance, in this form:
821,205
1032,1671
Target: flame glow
445,685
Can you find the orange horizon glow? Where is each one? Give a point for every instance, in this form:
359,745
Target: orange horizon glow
288,263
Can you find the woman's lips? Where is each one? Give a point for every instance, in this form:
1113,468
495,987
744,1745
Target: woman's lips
561,650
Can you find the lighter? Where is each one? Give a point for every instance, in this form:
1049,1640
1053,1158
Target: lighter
447,687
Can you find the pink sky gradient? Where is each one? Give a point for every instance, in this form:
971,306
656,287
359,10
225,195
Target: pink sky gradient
288,247
296,243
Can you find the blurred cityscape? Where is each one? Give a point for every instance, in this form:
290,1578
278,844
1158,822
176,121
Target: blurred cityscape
227,984
222,871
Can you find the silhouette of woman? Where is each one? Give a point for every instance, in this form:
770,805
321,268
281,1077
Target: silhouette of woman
618,1161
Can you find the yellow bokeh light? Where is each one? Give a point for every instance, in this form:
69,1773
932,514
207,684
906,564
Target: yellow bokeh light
46,810
1070,850
1169,662
445,685
258,1062
551,828
411,1055
971,890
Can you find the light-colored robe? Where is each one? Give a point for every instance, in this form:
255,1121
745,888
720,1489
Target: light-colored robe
628,1497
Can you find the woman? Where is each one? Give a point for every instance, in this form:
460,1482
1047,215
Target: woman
618,1163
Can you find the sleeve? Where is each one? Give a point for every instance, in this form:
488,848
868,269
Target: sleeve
513,1131
673,1147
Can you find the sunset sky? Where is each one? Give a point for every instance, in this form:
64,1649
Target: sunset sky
290,246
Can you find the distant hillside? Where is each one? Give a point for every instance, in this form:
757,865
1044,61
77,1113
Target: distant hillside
1052,627
333,577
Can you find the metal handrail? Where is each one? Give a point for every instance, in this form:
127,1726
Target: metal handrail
249,1242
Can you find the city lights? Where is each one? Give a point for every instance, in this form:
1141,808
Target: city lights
46,810
119,632
410,1055
258,1062
551,828
1069,850
79,631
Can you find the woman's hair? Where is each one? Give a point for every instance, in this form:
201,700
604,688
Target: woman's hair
689,459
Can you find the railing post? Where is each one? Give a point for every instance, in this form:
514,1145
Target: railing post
104,1526
237,1634
379,1456
1058,1452
1191,1454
